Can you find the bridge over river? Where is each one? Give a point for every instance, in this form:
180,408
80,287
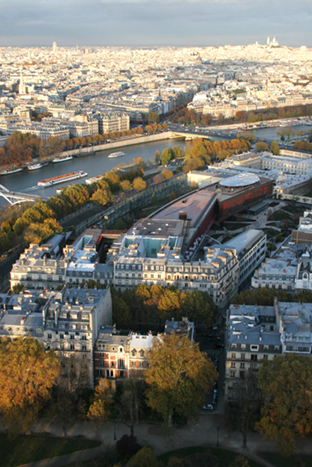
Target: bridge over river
14,197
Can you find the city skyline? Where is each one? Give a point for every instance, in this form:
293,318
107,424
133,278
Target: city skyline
145,23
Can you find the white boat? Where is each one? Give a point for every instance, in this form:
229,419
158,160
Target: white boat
62,159
11,171
61,178
116,154
37,166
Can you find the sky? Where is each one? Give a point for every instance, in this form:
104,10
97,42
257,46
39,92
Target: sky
154,22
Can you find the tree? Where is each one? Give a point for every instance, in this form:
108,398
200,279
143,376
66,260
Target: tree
167,174
275,148
139,184
287,411
101,408
166,156
244,404
261,146
153,117
130,401
101,197
126,185
28,373
144,458
240,461
157,157
149,129
72,389
178,373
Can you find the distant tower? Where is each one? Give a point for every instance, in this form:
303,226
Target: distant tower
268,40
21,87
54,48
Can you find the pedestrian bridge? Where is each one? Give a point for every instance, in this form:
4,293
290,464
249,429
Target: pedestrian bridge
14,197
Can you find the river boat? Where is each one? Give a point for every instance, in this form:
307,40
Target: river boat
37,166
94,179
62,188
116,154
11,171
62,159
61,179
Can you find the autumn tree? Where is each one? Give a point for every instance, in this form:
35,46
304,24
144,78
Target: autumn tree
177,374
261,146
166,156
125,185
101,197
157,157
153,117
275,148
28,373
144,458
100,409
287,411
139,184
167,174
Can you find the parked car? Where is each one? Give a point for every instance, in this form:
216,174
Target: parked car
208,407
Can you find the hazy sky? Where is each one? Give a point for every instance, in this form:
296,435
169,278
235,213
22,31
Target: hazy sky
154,22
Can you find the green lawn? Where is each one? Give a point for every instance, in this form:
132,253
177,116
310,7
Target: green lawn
26,449
225,457
295,460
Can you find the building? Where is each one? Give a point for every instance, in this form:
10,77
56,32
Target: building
109,123
255,333
275,274
118,357
184,327
66,321
250,249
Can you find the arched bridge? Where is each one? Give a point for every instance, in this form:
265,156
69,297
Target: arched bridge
14,197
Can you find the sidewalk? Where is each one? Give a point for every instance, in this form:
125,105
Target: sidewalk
203,432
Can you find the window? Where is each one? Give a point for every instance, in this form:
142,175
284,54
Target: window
232,374
233,355
232,364
84,348
254,358
242,365
121,363
265,357
242,356
49,336
72,347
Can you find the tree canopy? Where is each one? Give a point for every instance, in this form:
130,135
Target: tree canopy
28,373
178,377
287,411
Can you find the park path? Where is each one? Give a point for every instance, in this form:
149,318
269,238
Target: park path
207,431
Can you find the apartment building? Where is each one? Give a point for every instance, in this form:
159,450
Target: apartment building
66,321
109,123
275,274
255,333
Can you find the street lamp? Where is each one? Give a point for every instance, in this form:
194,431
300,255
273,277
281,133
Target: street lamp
218,436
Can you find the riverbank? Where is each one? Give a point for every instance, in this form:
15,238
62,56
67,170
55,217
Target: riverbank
121,143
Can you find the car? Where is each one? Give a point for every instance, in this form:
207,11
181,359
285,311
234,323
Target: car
218,346
208,407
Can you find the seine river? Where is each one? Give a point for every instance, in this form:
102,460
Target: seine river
99,163
96,164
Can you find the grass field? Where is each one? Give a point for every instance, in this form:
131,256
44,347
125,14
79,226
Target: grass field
225,457
295,460
26,449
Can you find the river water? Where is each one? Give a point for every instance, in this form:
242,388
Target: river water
271,133
99,163
96,164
